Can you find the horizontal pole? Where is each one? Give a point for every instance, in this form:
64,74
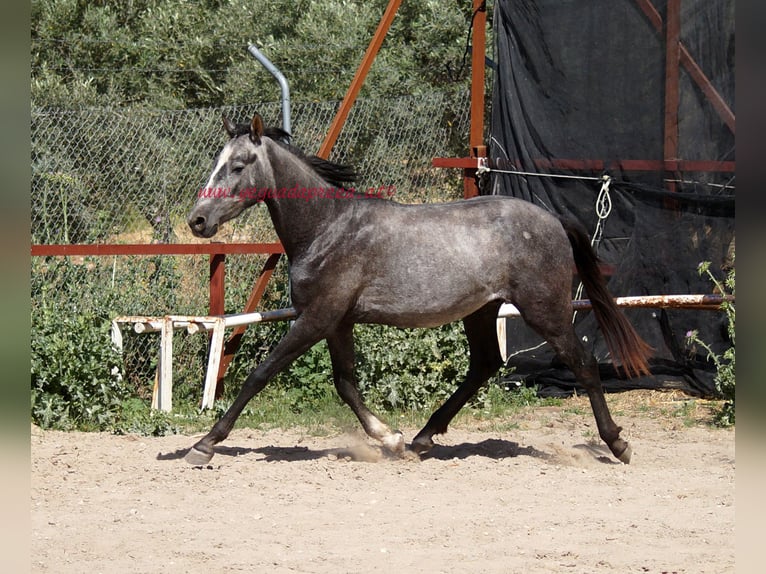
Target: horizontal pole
596,164
59,250
705,302
235,320
195,323
147,324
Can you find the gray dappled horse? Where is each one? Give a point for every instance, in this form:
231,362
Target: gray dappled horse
378,261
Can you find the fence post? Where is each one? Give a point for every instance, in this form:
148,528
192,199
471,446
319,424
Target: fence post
217,296
476,135
236,337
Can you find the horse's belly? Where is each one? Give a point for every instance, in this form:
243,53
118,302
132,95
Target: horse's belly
419,308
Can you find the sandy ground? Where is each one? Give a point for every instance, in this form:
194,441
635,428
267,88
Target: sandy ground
539,496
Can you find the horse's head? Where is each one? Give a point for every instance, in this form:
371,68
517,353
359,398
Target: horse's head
240,170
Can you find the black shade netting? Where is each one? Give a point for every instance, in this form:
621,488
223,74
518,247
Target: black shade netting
584,82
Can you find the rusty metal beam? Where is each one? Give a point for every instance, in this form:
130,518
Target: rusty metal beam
672,91
690,65
217,276
84,249
597,165
359,77
700,302
478,55
672,76
476,134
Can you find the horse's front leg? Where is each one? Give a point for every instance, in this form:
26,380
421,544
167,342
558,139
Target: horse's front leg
341,346
299,339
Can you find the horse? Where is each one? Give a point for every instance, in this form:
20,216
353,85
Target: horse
373,260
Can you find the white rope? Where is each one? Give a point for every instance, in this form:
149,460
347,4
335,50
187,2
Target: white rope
526,350
484,168
603,209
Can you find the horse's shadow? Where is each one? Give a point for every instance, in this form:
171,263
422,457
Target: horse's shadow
495,449
270,453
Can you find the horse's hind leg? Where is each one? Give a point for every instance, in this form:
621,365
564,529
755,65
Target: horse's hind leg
553,322
341,346
585,368
485,361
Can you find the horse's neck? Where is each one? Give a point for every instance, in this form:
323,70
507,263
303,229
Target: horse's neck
299,220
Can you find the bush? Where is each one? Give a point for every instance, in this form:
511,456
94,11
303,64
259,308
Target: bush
308,380
725,378
409,369
77,379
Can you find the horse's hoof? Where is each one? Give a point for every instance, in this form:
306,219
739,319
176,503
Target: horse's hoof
197,457
394,443
421,445
626,454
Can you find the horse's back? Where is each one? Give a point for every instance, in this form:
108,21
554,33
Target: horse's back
423,265
472,233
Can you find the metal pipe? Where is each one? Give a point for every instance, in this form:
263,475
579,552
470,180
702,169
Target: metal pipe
704,302
235,320
266,63
274,71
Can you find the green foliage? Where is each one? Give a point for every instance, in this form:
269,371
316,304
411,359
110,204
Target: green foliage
137,417
77,377
409,368
78,380
175,54
725,378
308,381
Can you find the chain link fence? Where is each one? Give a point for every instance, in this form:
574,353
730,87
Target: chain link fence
131,175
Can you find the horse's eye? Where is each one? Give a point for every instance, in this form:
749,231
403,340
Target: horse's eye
237,169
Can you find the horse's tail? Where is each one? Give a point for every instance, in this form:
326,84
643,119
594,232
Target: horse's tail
624,344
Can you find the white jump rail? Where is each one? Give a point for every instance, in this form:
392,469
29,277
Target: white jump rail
162,397
166,325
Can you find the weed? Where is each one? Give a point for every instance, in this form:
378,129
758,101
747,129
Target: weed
724,362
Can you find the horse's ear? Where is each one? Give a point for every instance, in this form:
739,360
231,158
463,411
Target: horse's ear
256,129
229,126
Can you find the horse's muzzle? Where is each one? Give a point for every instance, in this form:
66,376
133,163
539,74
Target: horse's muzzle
199,226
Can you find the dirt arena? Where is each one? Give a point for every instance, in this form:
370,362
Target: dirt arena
542,495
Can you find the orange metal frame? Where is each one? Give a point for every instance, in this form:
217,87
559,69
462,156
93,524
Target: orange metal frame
676,56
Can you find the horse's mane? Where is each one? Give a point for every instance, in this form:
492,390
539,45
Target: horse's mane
333,173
